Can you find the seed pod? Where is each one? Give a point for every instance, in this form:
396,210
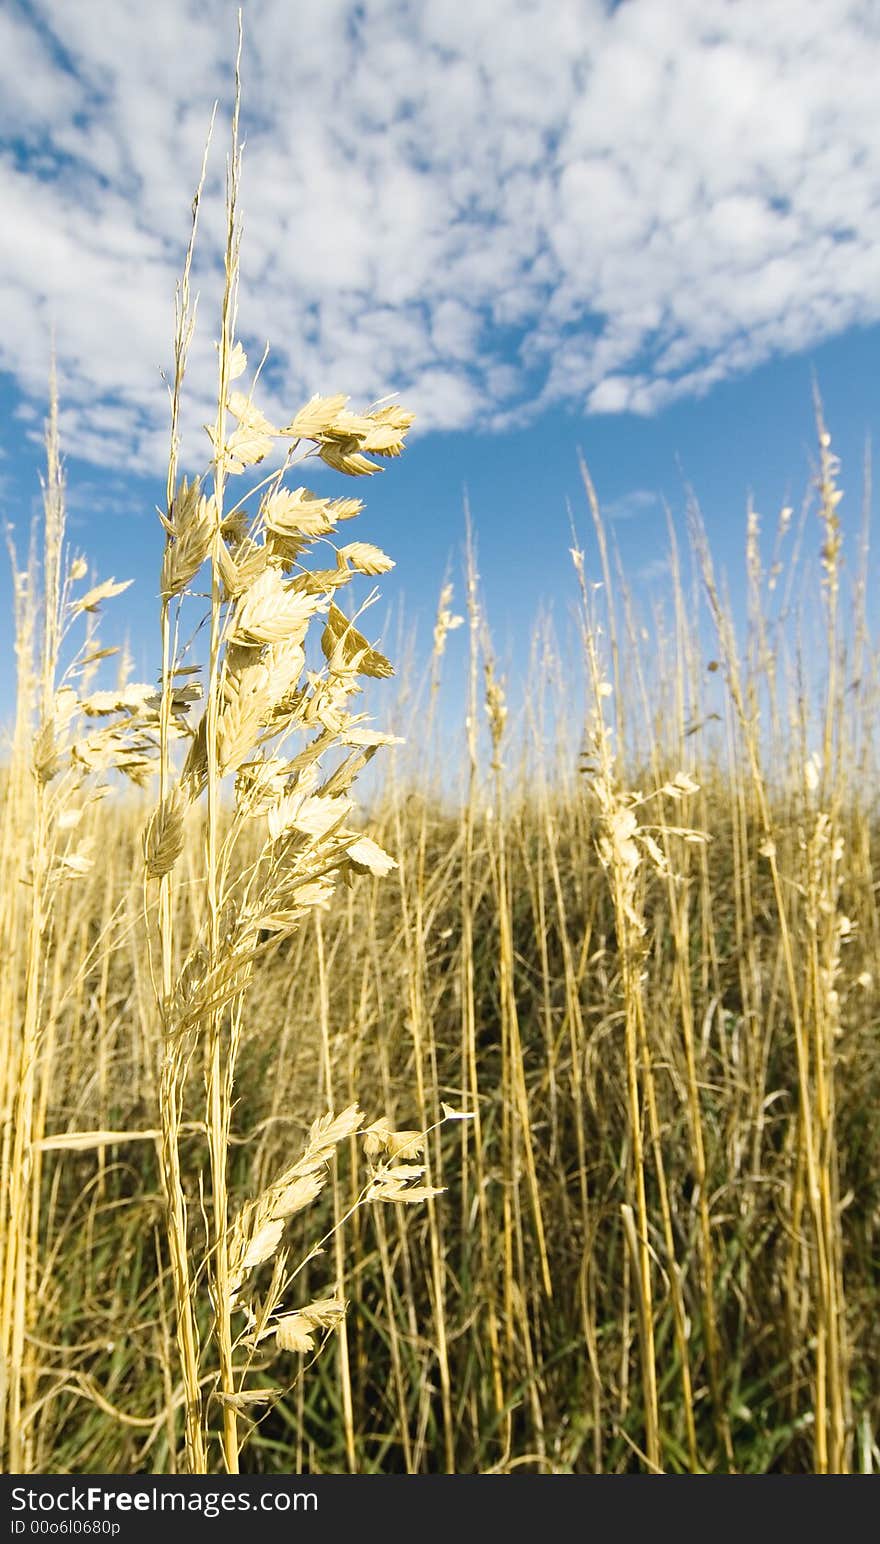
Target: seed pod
164,836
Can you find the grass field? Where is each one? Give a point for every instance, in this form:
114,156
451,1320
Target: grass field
520,1117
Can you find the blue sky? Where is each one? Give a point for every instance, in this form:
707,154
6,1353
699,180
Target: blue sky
548,224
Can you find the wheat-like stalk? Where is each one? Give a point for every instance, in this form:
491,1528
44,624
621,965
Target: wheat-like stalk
259,697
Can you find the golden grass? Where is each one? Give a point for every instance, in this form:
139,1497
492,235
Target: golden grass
617,1002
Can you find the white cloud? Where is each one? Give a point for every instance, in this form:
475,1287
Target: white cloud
493,208
638,503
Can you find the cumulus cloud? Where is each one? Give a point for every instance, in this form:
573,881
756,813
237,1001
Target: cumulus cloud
495,208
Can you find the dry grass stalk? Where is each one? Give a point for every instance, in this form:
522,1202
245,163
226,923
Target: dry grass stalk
257,696
55,780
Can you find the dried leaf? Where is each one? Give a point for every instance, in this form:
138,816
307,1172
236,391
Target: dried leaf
237,362
317,417
344,647
92,598
294,1333
164,836
272,612
297,512
367,854
346,457
366,558
313,816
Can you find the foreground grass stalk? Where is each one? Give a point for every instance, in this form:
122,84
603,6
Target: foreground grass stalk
17,1306
14,860
488,1281
511,1037
220,1044
621,858
276,852
338,1207
413,925
173,1055
828,929
679,911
